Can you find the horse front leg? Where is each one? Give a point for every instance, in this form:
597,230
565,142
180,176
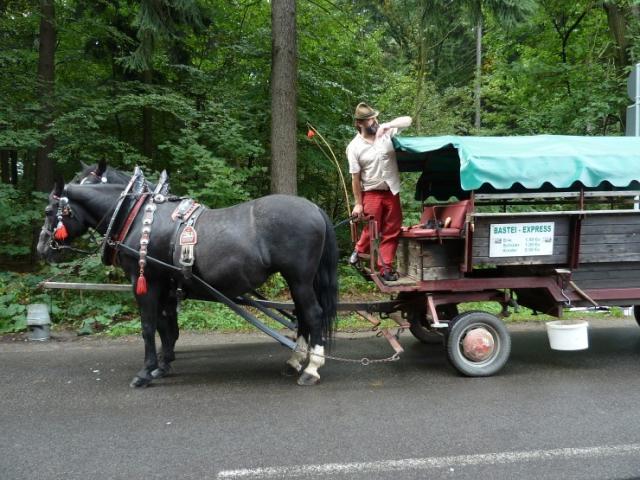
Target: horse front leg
169,333
148,306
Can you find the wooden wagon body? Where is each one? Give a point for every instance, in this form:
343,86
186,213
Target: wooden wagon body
545,222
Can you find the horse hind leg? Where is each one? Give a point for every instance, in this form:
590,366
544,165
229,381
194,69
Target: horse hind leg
298,358
309,319
310,375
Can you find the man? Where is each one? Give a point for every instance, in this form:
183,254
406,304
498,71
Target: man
376,184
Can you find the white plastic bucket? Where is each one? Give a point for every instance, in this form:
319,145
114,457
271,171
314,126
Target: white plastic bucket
568,334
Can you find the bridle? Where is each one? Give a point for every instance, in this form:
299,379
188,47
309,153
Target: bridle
136,187
64,210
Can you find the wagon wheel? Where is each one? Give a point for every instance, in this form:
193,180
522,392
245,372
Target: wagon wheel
636,313
478,344
419,323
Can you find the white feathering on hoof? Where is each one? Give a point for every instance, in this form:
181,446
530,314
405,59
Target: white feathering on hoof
300,355
316,361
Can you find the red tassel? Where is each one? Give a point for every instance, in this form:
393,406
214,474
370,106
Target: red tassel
141,285
61,232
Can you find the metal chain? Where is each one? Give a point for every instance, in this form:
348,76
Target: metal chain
364,361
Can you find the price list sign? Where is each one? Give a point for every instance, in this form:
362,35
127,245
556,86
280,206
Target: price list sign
521,239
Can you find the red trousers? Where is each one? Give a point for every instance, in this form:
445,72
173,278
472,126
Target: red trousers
385,208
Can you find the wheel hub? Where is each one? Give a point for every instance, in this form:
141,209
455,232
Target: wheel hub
478,344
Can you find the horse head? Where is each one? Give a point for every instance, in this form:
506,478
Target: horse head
71,211
91,174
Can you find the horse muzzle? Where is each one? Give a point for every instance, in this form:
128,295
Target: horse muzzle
47,247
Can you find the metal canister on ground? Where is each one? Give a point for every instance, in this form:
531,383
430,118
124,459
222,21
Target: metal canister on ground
38,321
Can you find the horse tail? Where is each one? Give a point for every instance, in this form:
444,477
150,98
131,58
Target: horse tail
325,283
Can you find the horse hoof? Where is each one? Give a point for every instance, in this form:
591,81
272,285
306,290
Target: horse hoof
160,372
289,371
139,382
307,380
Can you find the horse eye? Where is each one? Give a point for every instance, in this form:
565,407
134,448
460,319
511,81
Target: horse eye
48,211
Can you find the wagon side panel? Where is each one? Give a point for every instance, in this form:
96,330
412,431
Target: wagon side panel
610,239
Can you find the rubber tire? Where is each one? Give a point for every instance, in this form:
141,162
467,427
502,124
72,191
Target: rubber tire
418,320
502,340
636,313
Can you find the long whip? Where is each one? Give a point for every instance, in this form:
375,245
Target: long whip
312,134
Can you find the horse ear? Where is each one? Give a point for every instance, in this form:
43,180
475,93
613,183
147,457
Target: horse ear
102,167
83,165
59,185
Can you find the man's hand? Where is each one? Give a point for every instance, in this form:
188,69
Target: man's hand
358,211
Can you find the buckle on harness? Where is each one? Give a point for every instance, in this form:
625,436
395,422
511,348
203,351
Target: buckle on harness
188,238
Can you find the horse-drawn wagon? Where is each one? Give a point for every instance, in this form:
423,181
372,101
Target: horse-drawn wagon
548,222
544,222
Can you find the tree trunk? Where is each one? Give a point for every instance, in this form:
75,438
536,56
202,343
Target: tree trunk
147,123
478,79
283,97
618,28
13,155
4,165
46,78
417,107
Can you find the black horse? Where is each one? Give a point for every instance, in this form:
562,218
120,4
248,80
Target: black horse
237,249
101,172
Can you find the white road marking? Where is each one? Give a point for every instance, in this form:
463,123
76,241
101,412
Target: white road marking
432,462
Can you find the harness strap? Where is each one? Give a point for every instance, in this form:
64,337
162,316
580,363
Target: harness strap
135,186
187,258
122,234
180,215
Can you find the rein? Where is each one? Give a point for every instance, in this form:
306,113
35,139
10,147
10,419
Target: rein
220,297
346,220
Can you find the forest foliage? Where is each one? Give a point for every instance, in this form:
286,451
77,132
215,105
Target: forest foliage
183,85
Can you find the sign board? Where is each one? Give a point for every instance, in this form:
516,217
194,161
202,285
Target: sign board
521,239
633,111
633,84
633,121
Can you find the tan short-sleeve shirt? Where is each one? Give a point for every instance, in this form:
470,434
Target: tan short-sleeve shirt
376,162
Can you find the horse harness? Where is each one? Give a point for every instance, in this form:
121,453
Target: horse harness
131,201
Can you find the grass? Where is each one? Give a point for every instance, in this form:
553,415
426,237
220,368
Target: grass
200,316
115,314
527,315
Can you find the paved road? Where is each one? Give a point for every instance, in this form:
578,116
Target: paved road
67,412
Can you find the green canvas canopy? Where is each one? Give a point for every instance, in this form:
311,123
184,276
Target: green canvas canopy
455,166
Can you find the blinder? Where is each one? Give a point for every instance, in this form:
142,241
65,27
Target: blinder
64,210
